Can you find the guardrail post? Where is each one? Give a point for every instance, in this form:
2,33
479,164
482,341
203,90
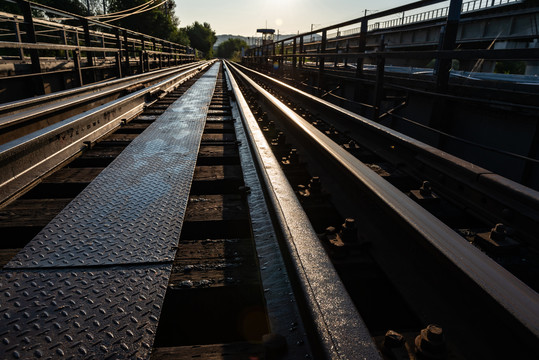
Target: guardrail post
141,54
346,50
103,46
281,59
88,42
19,39
379,86
294,58
38,85
448,38
362,45
118,54
64,40
161,55
154,49
127,65
76,60
272,62
301,51
78,71
336,60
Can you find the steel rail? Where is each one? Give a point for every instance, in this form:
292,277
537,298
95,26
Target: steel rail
489,195
327,299
58,106
25,160
513,296
19,105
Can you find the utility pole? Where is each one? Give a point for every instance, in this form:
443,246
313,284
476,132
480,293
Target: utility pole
104,7
88,7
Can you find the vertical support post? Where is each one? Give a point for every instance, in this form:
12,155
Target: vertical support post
379,86
362,46
78,71
294,58
76,59
88,43
154,49
19,40
323,44
161,56
448,38
127,65
346,50
118,54
336,60
301,51
141,54
64,40
38,85
103,46
281,59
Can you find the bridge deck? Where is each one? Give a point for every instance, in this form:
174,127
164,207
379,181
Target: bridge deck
118,237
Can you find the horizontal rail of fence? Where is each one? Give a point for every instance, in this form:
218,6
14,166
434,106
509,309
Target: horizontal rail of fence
43,41
434,14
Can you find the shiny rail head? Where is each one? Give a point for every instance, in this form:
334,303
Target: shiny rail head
513,295
328,301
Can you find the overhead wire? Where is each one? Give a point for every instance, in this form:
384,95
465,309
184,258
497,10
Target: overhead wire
114,14
135,12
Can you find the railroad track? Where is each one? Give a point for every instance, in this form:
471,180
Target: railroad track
201,228
20,118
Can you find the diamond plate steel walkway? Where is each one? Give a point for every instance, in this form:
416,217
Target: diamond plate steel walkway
91,284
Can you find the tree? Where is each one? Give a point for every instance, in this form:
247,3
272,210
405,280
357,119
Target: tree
180,36
231,49
159,22
202,37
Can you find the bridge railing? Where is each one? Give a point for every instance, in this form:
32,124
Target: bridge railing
439,50
43,44
434,14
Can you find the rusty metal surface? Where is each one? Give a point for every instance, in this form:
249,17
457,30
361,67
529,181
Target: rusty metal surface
283,312
27,159
513,295
133,211
81,313
337,322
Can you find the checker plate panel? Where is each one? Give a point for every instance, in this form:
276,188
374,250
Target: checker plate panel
133,211
81,313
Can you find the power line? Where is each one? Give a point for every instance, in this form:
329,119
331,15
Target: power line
122,12
136,12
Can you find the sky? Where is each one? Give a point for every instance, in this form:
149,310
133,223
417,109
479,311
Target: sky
243,17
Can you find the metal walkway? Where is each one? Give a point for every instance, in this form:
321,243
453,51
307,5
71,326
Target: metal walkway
96,276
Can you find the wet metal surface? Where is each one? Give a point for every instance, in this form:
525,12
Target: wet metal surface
338,324
519,300
283,312
81,313
133,211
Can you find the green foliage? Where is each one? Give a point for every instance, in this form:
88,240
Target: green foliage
159,22
202,37
180,36
510,67
231,48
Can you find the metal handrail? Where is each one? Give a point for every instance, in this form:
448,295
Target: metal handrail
434,14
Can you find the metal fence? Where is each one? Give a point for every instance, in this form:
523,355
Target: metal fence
434,14
41,41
